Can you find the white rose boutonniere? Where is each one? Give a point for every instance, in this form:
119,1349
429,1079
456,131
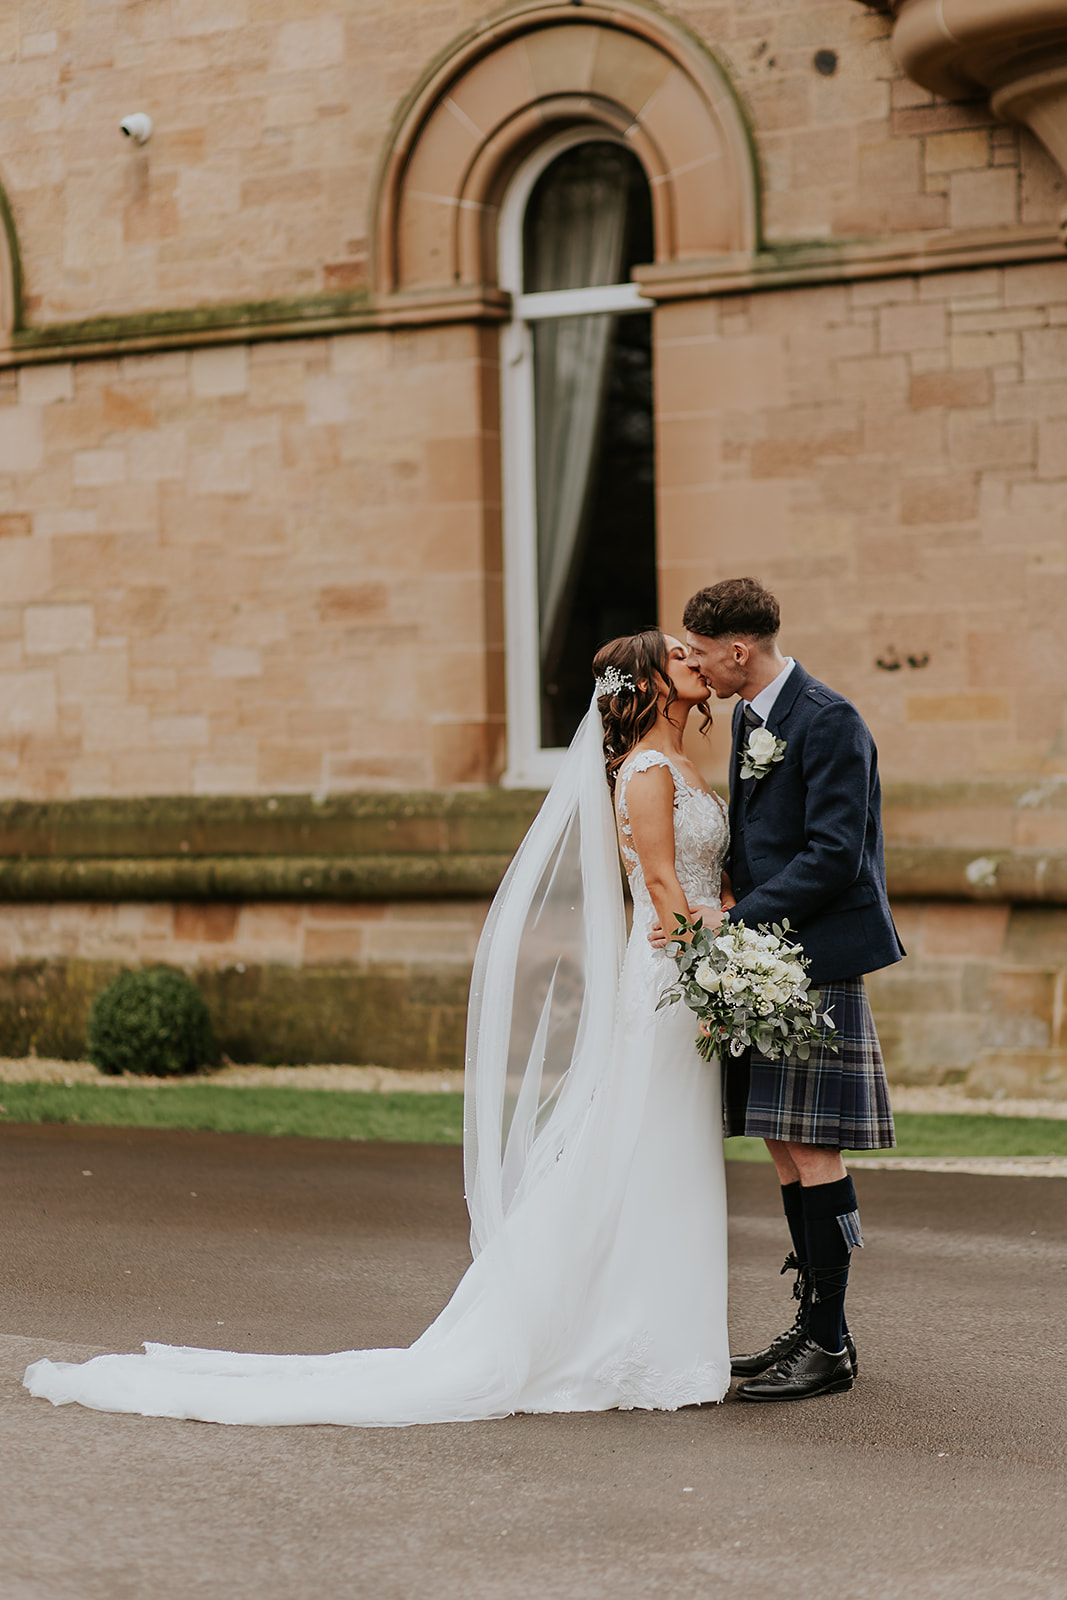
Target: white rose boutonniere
760,753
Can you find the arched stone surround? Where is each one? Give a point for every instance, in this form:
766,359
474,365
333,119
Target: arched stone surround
539,67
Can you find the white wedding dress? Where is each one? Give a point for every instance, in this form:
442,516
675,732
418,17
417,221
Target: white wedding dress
598,1204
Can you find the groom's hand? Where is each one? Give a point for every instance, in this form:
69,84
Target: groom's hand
711,915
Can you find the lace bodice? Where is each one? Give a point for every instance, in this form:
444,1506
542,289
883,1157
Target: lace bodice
701,837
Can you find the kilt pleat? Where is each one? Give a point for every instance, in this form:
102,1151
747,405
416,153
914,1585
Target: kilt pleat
836,1099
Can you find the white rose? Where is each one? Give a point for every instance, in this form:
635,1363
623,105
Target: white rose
761,744
707,977
726,945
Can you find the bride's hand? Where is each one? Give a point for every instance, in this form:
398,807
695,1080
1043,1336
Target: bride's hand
711,916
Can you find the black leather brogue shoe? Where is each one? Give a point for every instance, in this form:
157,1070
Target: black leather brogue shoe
807,1371
760,1360
850,1346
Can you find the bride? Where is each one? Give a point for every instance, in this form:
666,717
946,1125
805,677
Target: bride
592,1128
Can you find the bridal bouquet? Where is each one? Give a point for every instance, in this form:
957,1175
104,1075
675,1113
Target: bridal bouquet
749,987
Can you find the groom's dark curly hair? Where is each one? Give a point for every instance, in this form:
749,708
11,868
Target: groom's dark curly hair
738,606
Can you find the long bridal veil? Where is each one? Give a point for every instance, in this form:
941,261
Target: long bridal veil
555,1096
544,991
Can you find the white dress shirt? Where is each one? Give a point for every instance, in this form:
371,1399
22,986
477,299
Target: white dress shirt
763,703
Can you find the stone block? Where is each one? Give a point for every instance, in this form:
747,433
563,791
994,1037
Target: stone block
1019,1075
93,468
1035,283
21,438
56,629
987,199
955,389
958,151
354,603
95,675
42,386
29,700
873,376
158,455
328,946
205,924
911,327
890,167
109,728
1044,355
991,445
1052,450
938,499
963,707
25,569
991,350
975,931
221,370
739,374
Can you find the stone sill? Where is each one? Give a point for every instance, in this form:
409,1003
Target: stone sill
418,822
782,265
432,876
456,844
914,873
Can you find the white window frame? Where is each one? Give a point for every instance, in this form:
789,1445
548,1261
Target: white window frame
530,765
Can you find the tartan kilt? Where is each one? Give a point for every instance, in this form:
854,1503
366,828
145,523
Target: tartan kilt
837,1100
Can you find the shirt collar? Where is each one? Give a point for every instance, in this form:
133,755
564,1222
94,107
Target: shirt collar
763,703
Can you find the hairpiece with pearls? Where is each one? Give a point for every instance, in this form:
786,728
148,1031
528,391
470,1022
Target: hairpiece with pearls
612,681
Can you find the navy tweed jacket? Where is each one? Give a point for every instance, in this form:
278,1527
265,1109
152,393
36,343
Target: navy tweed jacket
806,839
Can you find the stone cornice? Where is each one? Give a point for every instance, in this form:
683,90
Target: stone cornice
820,261
144,332
781,266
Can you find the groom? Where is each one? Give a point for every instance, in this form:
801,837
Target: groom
806,844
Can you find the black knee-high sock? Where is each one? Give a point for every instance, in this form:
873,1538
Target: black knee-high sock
793,1206
831,1225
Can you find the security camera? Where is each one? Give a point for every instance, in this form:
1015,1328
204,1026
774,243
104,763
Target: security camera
137,127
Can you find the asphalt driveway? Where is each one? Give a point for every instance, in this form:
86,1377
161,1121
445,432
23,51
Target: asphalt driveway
940,1475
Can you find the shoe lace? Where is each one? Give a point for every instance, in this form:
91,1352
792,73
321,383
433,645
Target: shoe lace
802,1281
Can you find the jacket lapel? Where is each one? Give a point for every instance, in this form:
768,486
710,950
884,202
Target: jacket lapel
795,684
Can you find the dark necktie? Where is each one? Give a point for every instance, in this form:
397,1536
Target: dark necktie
752,719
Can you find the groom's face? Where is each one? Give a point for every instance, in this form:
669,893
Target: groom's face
720,662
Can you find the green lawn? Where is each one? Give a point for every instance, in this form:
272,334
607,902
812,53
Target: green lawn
432,1118
948,1134
315,1113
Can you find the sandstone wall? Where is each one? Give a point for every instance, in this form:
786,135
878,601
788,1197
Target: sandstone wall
892,458
252,568
271,117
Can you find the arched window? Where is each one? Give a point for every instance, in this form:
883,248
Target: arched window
579,491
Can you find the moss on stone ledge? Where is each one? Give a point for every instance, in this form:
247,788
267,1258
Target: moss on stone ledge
398,1015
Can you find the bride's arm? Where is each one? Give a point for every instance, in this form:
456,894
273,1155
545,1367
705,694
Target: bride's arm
650,803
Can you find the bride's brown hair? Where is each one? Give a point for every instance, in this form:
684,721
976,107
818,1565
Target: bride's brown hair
628,714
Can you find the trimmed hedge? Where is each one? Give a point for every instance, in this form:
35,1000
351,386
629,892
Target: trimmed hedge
152,1022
